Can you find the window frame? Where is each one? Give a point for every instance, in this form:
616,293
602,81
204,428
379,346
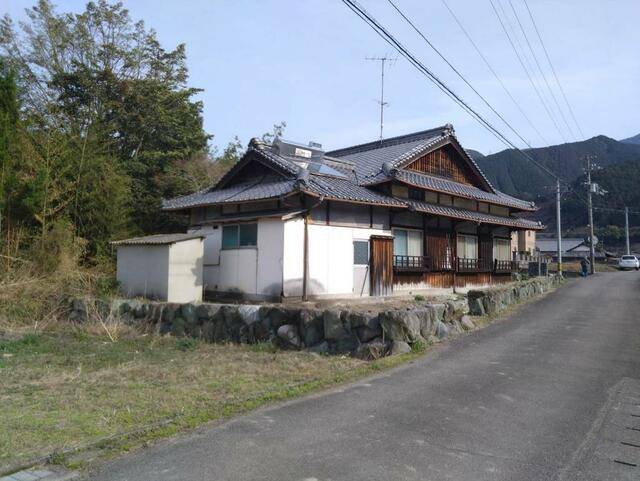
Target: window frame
361,241
407,230
467,236
237,244
507,245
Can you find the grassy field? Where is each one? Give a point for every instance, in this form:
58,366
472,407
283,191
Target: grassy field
60,392
574,266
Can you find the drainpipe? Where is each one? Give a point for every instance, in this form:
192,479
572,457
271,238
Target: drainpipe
305,261
305,255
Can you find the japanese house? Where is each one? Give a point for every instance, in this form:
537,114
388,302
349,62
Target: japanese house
398,216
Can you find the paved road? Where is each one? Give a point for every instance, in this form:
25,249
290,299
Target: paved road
551,392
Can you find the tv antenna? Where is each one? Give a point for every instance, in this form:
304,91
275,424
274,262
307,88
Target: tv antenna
383,61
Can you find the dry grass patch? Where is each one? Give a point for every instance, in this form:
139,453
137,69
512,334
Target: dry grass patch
574,266
61,392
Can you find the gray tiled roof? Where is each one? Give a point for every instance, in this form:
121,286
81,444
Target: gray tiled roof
238,193
158,239
450,187
463,214
253,215
343,189
257,149
368,158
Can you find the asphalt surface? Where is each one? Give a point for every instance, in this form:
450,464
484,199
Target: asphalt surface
549,393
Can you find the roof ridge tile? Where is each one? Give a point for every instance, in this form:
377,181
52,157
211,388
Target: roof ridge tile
377,144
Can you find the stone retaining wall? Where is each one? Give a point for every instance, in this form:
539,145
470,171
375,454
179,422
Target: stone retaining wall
368,334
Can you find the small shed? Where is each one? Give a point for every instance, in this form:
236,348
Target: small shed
165,267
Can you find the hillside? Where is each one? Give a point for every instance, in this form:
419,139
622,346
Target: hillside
632,140
510,173
621,182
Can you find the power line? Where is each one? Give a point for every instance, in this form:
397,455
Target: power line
612,209
526,71
391,40
553,70
544,78
462,77
386,36
491,69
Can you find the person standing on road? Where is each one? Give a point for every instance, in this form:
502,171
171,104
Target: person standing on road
584,265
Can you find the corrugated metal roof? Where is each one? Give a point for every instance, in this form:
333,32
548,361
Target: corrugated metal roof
238,193
481,217
158,239
450,187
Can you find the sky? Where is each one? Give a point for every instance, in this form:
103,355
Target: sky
261,62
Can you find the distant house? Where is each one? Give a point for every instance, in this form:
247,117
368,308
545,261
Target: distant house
523,241
389,217
573,248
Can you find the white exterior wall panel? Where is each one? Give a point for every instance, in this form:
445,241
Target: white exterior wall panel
168,272
238,270
293,257
211,257
185,271
253,271
331,268
270,257
143,270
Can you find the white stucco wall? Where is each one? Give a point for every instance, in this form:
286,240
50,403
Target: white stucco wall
331,269
292,257
143,270
238,270
211,260
270,257
245,270
185,271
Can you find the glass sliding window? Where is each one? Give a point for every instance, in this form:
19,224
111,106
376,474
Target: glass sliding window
407,242
414,242
501,249
229,236
467,246
248,235
243,235
399,242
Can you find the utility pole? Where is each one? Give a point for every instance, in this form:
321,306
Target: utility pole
558,227
626,228
592,247
383,104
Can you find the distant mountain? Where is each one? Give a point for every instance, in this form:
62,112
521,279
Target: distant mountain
621,182
475,155
632,140
509,172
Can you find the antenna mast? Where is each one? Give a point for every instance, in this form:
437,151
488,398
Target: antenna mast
381,102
